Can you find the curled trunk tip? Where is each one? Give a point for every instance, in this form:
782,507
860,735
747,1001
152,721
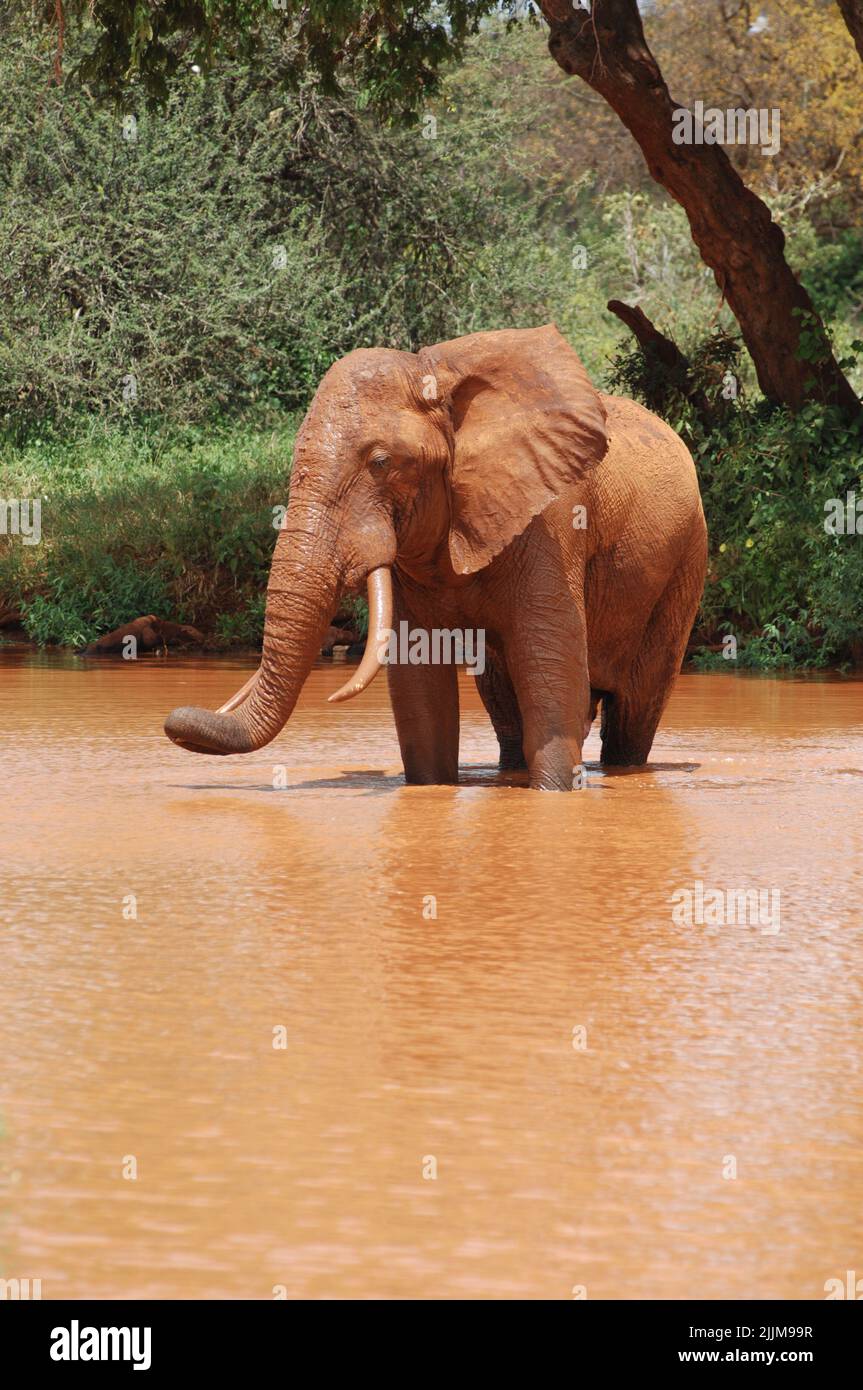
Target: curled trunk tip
206,731
212,731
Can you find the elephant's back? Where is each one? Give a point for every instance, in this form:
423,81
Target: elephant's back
642,446
647,480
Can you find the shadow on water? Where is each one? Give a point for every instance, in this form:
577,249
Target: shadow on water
377,780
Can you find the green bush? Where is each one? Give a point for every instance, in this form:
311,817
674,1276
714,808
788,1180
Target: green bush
245,628
179,524
790,590
215,257
80,605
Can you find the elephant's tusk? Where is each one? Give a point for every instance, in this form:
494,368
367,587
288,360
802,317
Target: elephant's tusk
380,588
242,694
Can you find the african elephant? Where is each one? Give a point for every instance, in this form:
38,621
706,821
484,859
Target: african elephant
483,484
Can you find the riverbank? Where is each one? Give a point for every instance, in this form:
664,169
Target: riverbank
139,520
114,522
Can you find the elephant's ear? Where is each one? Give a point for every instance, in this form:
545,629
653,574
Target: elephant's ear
527,425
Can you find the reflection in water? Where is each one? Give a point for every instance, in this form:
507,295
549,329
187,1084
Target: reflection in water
480,975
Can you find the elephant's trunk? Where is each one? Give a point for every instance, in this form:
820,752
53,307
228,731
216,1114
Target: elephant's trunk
240,695
301,598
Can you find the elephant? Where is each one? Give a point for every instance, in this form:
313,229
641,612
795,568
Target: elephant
483,484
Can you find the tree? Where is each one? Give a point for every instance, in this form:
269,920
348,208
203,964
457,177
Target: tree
800,62
731,226
852,13
396,49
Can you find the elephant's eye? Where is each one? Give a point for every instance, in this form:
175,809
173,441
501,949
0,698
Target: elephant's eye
379,460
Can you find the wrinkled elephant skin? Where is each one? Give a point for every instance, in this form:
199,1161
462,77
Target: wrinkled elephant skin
483,485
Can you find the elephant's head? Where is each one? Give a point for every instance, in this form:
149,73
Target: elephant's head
433,461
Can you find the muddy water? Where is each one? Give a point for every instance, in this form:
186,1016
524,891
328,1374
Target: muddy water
600,1158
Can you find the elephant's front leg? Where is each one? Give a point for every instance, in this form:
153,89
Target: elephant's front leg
547,658
425,706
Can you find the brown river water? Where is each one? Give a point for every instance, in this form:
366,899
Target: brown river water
546,1087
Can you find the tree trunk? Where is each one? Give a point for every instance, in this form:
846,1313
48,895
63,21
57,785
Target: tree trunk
852,13
731,227
676,369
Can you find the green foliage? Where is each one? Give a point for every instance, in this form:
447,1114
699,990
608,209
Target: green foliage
245,628
221,259
179,524
833,272
84,601
788,591
393,51
217,257
358,609
138,274
693,394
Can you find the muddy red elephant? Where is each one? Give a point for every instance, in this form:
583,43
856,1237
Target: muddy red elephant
483,485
